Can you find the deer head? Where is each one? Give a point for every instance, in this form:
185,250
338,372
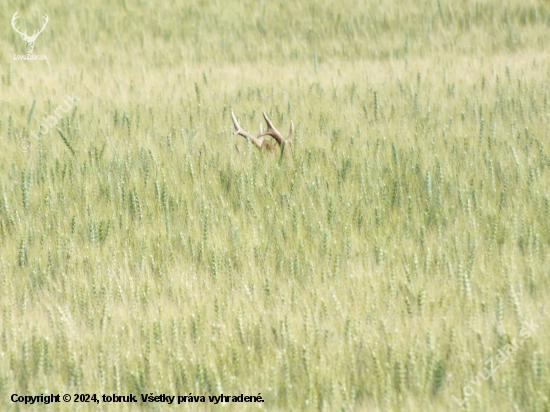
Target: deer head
28,40
259,141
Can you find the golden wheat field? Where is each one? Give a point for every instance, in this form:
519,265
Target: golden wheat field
394,256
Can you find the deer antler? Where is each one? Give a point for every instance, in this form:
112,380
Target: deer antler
35,34
290,133
24,35
271,131
28,40
239,130
14,18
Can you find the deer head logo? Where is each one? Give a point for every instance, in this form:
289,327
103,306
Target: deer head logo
29,40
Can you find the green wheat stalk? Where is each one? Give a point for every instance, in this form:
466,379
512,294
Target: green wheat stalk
31,112
67,142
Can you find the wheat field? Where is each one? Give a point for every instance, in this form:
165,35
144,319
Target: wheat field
381,266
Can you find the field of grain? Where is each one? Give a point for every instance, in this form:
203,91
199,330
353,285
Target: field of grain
379,267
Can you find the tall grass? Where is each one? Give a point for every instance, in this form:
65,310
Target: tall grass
404,241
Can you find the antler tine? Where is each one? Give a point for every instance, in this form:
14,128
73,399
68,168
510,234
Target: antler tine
238,128
13,20
34,35
291,133
244,133
271,131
